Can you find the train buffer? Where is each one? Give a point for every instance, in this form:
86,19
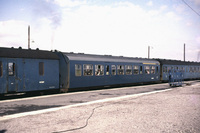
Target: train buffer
176,79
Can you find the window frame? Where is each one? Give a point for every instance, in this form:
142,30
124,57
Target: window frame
78,70
11,68
153,69
107,70
113,70
90,68
141,69
165,69
120,69
147,71
128,69
99,70
41,68
136,69
157,70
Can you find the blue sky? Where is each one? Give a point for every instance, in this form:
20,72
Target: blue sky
114,27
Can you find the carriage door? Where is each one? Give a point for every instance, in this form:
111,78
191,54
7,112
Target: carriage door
12,86
107,74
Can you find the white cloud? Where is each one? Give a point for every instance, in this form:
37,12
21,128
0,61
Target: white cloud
121,28
69,3
150,3
198,40
189,24
163,7
180,8
124,29
13,33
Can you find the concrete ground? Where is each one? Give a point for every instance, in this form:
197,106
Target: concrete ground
172,110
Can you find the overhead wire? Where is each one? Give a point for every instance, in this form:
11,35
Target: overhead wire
191,8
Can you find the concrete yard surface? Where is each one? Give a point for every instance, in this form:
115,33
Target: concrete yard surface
173,110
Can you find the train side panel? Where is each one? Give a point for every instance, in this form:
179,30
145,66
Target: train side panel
188,70
40,74
108,76
3,78
22,75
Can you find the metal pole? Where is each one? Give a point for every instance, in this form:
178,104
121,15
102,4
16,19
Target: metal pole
184,52
29,37
148,52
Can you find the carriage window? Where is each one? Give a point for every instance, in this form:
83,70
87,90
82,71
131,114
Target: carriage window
88,70
78,70
99,70
141,70
136,70
168,69
175,69
156,69
41,68
107,69
128,69
153,70
195,69
147,69
113,67
11,69
120,69
1,69
172,69
191,69
164,69
183,69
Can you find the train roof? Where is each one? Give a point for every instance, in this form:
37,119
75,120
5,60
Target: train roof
108,58
176,62
27,53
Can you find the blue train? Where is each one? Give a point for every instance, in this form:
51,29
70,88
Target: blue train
23,70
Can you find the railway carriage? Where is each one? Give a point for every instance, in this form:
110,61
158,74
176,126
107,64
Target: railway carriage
85,71
189,70
28,70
